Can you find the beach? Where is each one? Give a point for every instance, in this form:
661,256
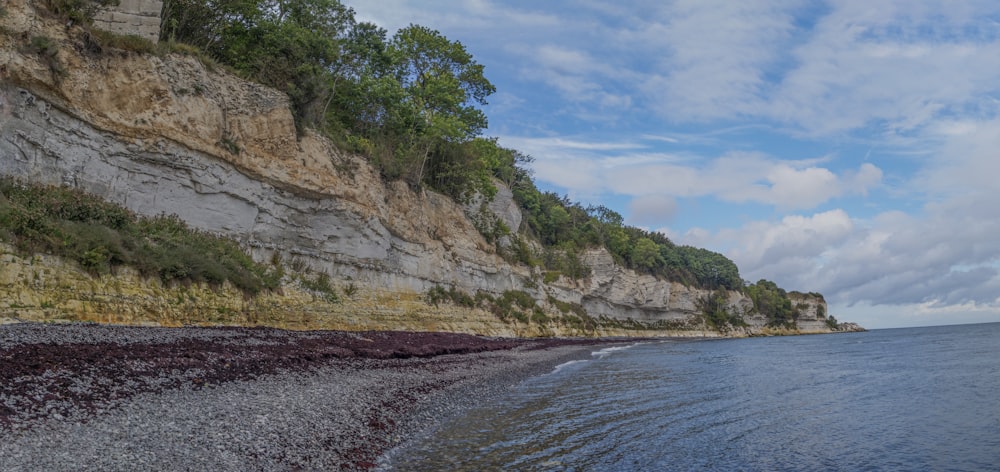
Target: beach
102,397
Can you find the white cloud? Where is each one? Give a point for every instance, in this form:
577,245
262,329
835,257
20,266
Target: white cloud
969,158
651,210
899,67
781,249
738,177
577,75
466,19
712,57
948,256
916,314
894,65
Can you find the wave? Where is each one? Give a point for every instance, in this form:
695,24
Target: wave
611,350
567,364
600,354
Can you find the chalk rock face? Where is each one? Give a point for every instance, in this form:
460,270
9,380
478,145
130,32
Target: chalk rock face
136,17
166,135
812,311
637,296
502,207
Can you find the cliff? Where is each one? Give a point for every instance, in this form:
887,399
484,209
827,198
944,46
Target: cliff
166,134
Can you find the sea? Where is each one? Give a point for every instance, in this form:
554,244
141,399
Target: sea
912,399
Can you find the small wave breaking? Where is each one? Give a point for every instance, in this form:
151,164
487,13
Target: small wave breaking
567,364
611,350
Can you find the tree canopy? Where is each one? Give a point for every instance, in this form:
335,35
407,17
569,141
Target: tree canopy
410,102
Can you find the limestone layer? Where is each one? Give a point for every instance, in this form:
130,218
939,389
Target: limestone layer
168,135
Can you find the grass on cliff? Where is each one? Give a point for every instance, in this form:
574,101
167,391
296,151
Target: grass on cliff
100,236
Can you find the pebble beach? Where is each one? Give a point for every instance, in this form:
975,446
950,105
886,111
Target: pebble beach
100,397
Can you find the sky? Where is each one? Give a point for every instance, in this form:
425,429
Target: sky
850,148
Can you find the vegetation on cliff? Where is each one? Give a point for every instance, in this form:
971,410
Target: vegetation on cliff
100,236
410,103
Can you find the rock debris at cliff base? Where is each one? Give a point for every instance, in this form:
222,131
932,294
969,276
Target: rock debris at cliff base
98,397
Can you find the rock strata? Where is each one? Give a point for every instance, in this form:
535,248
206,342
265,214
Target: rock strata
169,135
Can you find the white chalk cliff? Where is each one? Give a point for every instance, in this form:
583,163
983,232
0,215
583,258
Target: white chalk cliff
168,135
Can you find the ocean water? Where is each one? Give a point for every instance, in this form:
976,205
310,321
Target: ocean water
915,399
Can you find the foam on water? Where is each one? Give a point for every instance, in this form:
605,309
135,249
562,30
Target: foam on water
611,350
567,364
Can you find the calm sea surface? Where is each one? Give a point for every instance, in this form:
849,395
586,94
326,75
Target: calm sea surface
919,399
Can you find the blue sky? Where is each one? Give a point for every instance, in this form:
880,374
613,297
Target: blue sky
850,148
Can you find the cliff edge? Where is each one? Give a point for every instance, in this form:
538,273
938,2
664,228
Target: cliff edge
166,134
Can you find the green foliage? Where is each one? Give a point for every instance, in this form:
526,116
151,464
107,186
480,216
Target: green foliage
321,285
567,307
489,225
48,51
519,298
100,236
772,302
512,304
291,45
411,103
437,294
100,39
520,251
229,145
538,316
645,254
832,323
564,228
716,312
563,260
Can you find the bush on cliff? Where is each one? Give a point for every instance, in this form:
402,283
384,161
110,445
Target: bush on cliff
77,11
772,302
410,102
716,312
100,236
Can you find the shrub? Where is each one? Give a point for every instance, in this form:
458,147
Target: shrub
48,51
437,294
77,11
538,316
321,284
519,297
567,307
126,42
100,235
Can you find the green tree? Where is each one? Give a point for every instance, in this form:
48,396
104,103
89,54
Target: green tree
367,89
645,254
716,312
443,85
292,45
772,302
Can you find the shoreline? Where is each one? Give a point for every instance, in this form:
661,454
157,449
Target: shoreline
89,396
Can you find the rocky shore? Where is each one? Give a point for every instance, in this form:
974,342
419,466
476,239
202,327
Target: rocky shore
99,397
